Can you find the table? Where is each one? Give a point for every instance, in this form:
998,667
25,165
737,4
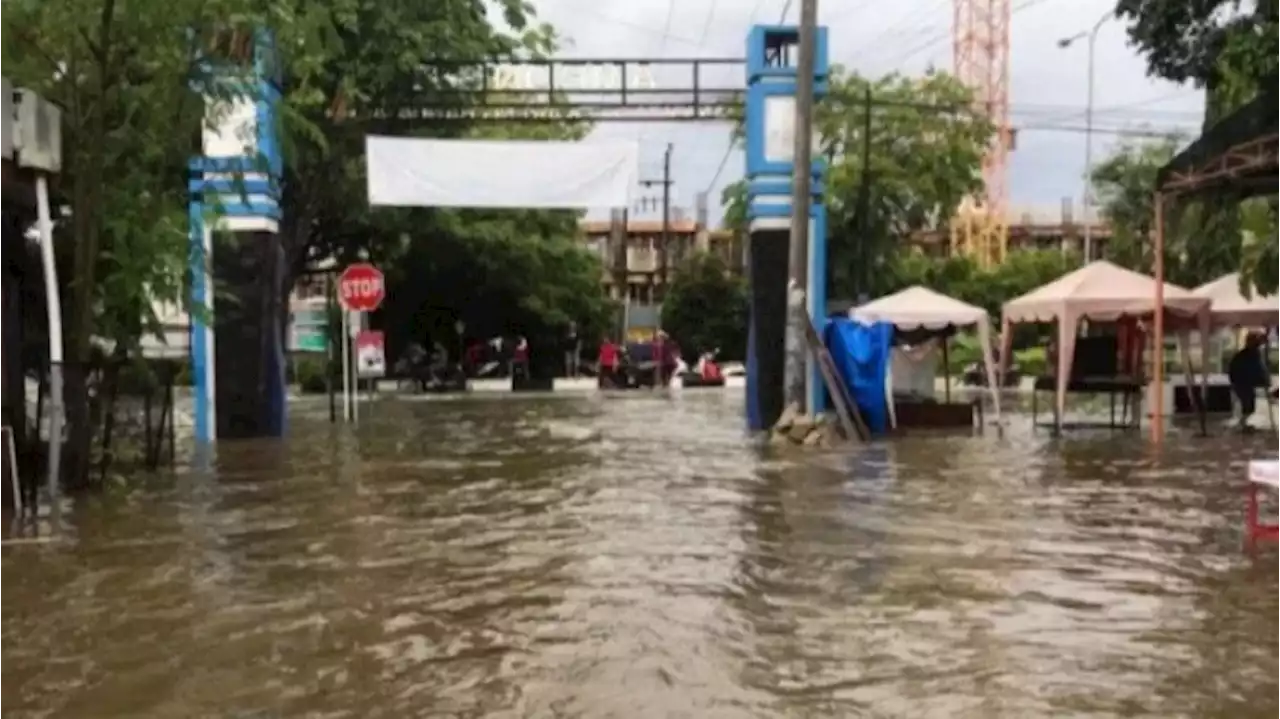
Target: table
1263,473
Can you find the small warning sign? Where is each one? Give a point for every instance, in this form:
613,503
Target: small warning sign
371,354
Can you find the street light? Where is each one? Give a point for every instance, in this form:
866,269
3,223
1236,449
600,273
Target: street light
1066,42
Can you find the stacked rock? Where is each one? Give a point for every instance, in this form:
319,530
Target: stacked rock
798,429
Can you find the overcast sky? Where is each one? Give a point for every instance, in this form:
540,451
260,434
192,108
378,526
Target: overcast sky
1048,85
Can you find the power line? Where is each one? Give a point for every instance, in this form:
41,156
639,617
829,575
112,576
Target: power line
706,26
642,133
946,34
896,29
782,18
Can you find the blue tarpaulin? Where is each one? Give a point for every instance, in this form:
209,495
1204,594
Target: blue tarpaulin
861,354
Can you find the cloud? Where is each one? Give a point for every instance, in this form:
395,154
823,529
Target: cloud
1048,86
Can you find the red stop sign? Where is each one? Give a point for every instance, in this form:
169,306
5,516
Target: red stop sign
361,287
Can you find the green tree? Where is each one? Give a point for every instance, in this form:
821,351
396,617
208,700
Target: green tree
706,308
1231,50
989,288
365,65
1123,185
923,148
1189,41
524,271
131,79
508,273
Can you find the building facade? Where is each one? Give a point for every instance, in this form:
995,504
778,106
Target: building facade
639,264
1032,227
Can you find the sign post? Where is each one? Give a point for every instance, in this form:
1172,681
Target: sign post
361,289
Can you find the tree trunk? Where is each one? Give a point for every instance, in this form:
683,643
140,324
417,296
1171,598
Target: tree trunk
78,449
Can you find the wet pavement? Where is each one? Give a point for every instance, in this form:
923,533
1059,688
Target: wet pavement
636,557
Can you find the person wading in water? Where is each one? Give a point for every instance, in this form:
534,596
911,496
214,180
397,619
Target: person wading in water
608,361
1248,371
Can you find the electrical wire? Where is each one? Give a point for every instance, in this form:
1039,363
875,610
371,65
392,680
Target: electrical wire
706,25
642,133
896,31
728,150
945,34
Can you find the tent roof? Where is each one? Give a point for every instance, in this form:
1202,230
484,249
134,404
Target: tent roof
1229,306
919,307
1099,290
1238,152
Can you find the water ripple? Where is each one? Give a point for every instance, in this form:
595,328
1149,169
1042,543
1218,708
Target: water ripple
635,556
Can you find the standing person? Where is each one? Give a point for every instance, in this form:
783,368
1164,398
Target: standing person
520,361
608,363
1247,371
572,350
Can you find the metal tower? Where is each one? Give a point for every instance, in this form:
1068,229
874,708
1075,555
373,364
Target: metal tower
980,47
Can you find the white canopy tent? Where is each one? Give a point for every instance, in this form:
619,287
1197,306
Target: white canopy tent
919,307
1228,307
1098,291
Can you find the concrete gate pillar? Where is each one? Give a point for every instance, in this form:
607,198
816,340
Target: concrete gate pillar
237,341
770,128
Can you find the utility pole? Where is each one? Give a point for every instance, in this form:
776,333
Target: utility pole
795,376
1087,198
660,274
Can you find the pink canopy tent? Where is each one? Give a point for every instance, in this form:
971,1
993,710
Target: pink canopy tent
1099,291
1228,307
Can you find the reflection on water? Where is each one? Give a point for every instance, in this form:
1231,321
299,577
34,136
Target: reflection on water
637,557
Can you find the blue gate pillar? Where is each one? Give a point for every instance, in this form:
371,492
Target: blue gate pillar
770,128
237,345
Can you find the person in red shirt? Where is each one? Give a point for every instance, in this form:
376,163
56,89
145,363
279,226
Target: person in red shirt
710,370
608,363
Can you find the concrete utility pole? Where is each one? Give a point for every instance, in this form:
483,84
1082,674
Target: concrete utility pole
666,217
660,274
795,371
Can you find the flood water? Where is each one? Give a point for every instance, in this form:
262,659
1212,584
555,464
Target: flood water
637,557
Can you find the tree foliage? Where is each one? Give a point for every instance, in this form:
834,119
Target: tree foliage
707,308
137,80
131,80
1207,41
989,288
1229,48
1123,185
499,271
923,148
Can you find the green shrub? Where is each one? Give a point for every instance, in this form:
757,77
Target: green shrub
1032,361
962,351
309,374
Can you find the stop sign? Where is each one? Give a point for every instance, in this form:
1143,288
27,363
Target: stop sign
361,288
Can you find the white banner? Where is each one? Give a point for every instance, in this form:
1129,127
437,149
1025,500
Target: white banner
414,172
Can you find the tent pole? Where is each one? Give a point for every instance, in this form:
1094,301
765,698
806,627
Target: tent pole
946,369
1157,400
1266,362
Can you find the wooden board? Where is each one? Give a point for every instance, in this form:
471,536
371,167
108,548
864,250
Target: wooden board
846,409
10,491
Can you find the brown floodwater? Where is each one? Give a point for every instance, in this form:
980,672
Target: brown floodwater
637,557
